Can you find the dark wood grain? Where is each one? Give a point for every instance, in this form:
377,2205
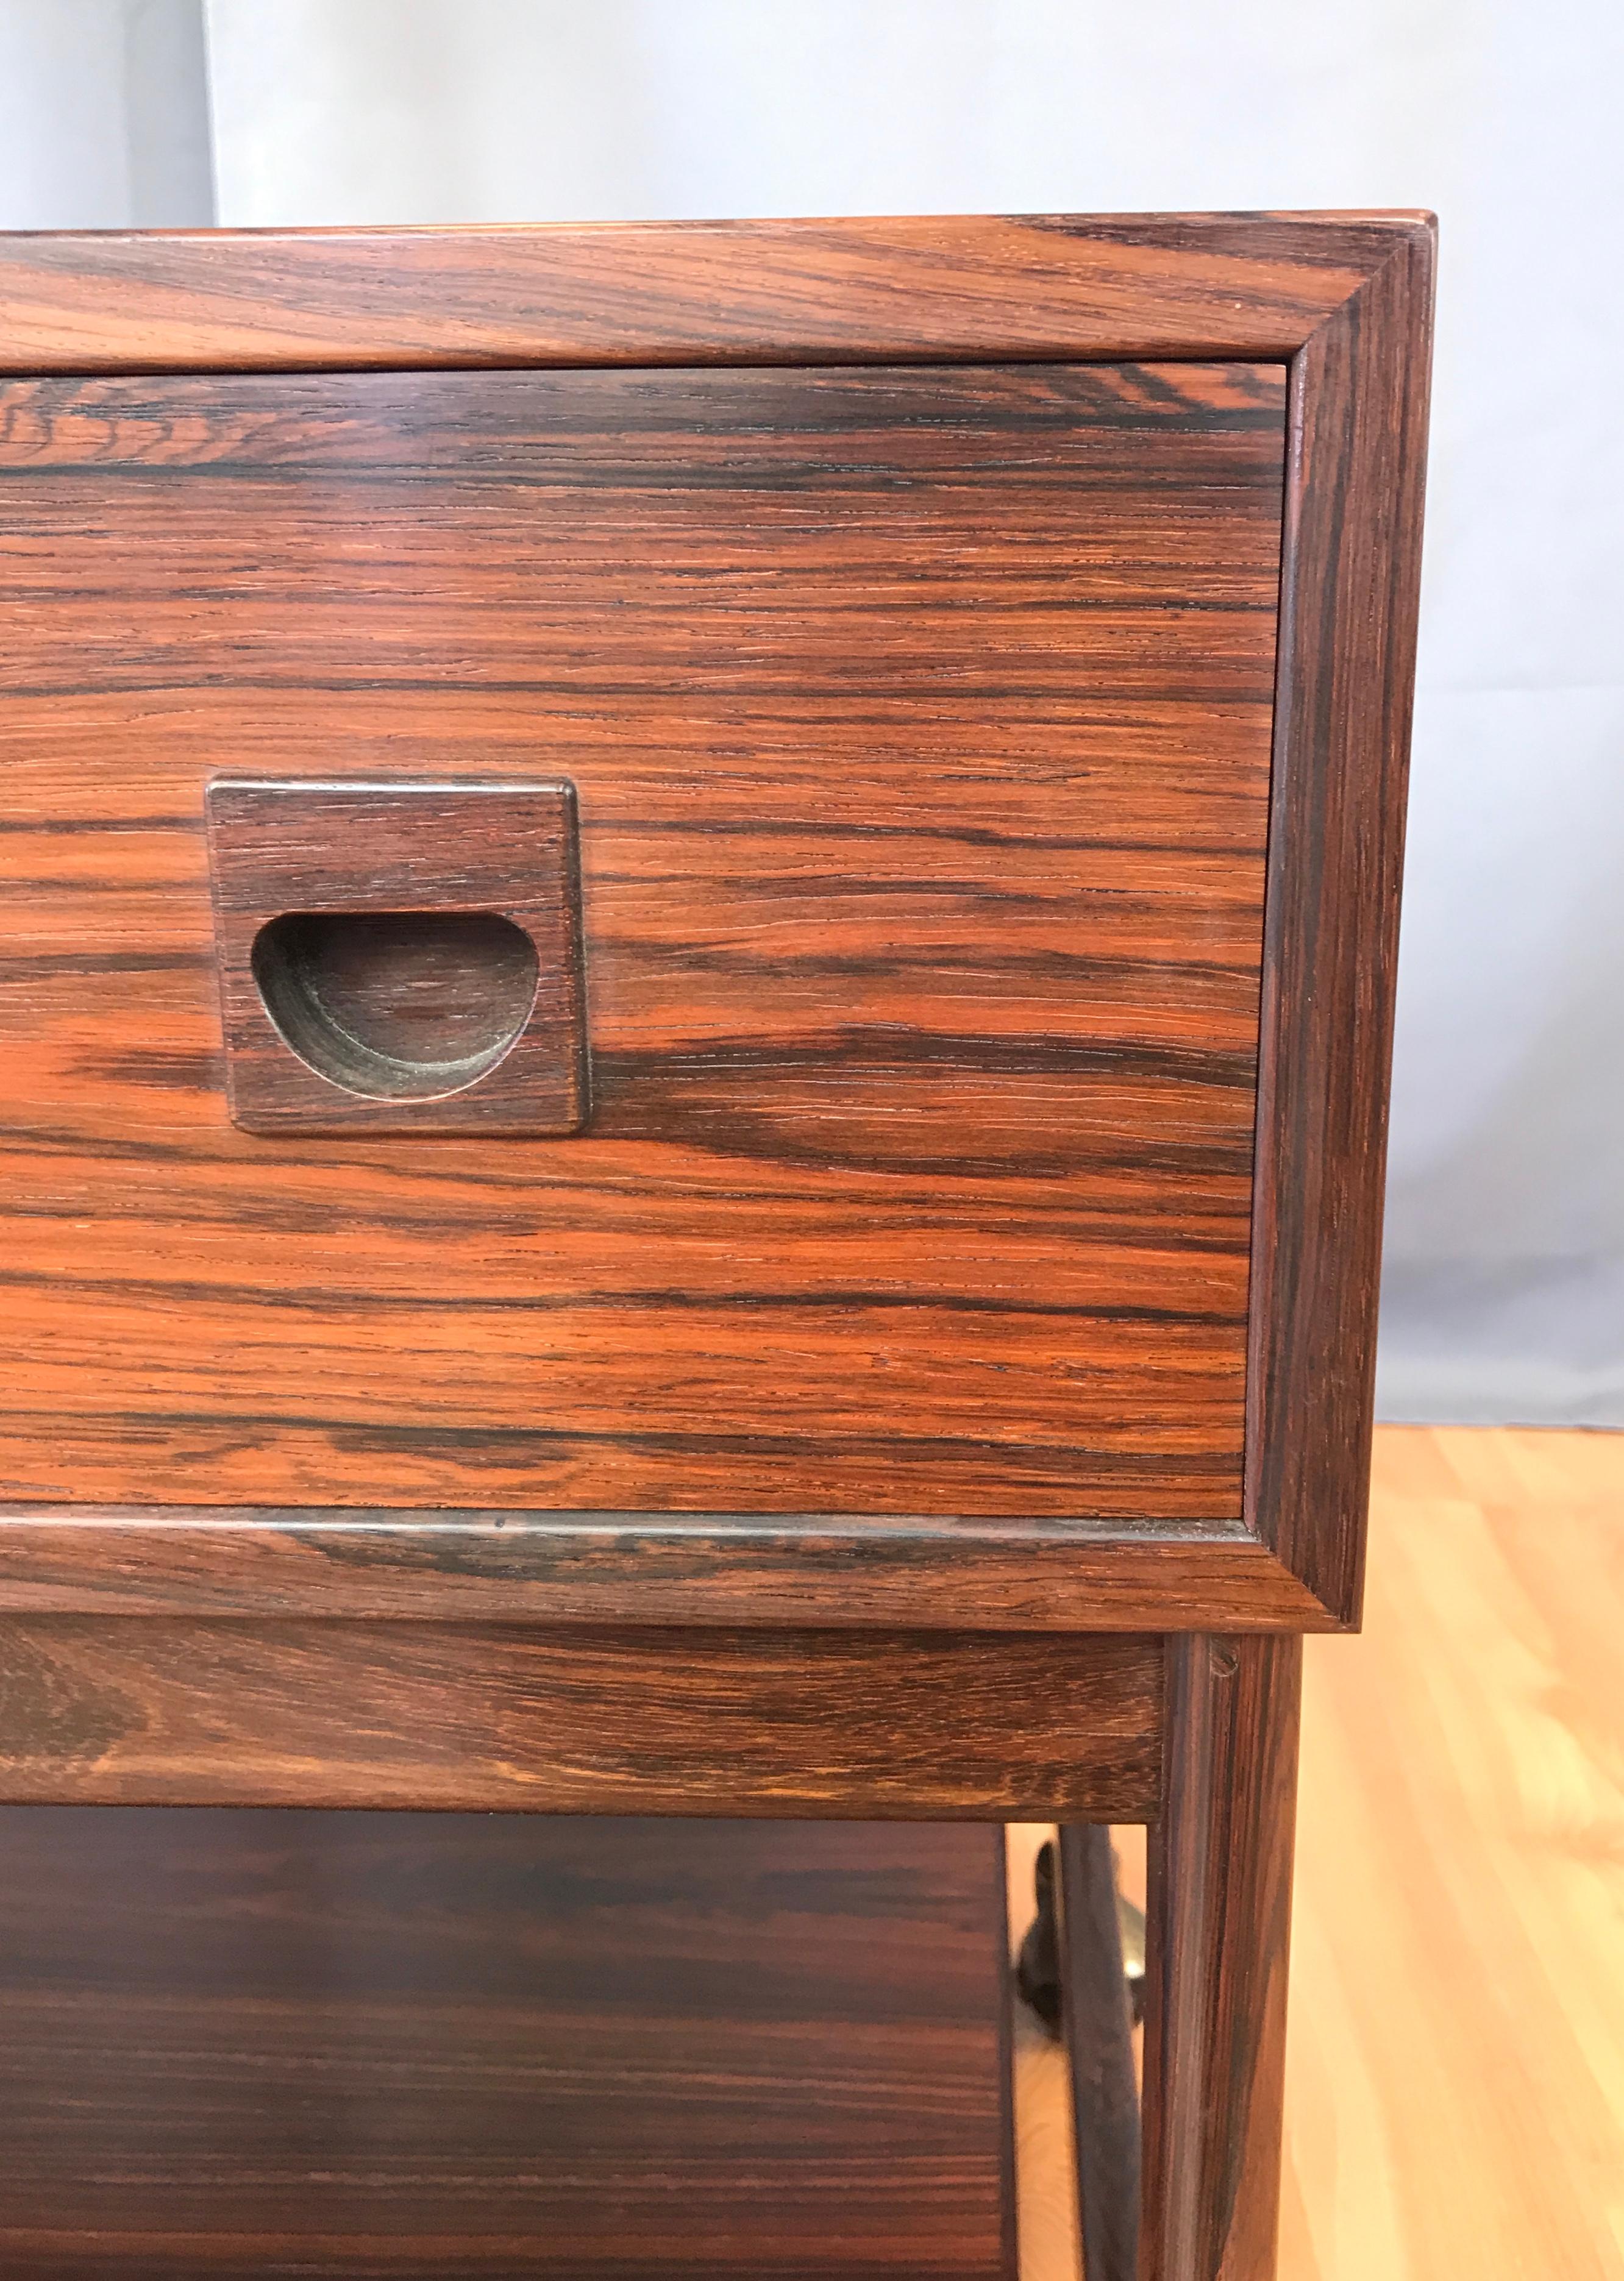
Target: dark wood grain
1219,1933
934,288
989,931
186,1711
742,1568
1343,298
292,863
920,724
1099,2034
736,1568
436,2047
1348,602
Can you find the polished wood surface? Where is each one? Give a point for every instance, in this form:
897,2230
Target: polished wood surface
1345,300
440,2046
516,1566
399,957
1099,2038
920,725
988,929
919,287
148,1711
1341,759
1218,1938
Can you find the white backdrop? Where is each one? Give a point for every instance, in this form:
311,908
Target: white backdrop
1503,1296
104,115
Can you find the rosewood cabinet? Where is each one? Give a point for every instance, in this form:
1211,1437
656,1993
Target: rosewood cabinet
697,973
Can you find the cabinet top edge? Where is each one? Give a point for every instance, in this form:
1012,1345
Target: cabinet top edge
913,288
1147,226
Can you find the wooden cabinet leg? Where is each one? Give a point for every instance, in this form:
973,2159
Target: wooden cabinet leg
1219,1928
1099,2035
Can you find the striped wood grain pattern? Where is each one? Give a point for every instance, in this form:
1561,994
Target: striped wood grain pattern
876,290
1347,631
1218,1909
921,727
411,1564
447,2047
112,1711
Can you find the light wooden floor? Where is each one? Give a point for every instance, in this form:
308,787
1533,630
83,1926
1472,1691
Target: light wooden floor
1455,2096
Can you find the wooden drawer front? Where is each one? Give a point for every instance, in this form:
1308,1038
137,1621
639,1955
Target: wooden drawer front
919,721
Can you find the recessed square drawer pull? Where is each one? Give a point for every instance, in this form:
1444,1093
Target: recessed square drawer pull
399,957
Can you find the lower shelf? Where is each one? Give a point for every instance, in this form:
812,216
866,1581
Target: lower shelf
271,2042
